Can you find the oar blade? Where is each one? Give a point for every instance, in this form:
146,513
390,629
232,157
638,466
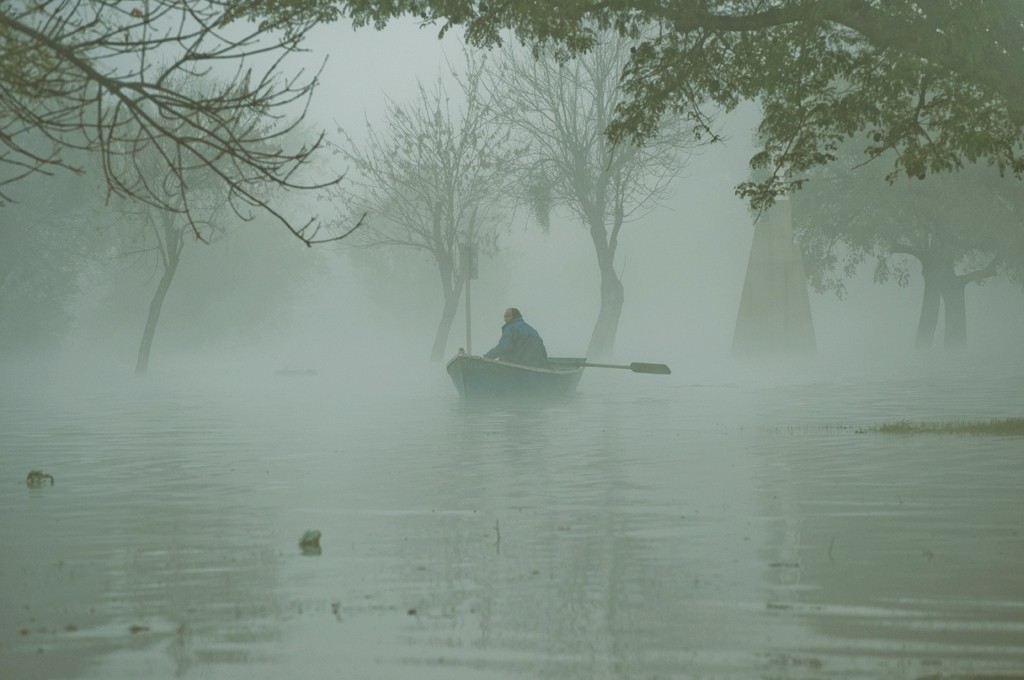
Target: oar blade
658,369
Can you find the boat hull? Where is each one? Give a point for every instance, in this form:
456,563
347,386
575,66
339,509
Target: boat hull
476,377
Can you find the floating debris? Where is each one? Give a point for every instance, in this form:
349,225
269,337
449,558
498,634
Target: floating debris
1012,427
37,478
310,542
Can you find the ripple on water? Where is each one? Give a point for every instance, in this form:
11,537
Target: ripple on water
738,530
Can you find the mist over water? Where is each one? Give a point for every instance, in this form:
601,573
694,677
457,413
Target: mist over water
735,519
652,526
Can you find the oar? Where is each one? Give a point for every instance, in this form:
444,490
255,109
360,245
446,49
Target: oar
636,367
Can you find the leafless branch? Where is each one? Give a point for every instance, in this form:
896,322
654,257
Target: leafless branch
106,77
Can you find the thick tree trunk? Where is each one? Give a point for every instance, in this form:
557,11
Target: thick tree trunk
954,304
155,306
930,303
444,327
943,289
602,340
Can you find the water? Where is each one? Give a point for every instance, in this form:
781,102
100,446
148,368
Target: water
649,528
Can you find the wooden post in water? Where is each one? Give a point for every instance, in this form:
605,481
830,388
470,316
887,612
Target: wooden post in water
469,333
470,272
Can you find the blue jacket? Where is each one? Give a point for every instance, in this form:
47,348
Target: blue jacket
520,344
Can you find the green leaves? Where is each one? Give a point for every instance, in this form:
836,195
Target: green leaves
938,82
847,215
293,17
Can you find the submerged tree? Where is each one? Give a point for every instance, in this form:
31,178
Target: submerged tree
961,230
104,77
936,81
164,234
435,180
561,111
163,227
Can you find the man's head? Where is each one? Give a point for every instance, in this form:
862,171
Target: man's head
512,314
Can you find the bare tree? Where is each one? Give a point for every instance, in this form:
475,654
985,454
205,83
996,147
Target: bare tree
936,81
104,76
434,180
562,109
164,234
163,228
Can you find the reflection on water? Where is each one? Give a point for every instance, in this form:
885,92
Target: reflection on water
645,528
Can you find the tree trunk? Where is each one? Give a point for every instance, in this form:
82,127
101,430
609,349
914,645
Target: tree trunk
170,252
444,327
954,299
954,305
935,267
602,340
155,305
930,302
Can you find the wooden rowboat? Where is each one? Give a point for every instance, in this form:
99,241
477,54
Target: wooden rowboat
475,376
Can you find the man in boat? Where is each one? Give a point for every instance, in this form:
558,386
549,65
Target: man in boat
520,343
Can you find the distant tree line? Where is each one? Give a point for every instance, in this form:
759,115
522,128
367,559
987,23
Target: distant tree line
919,88
954,230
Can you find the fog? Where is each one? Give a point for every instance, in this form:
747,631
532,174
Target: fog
737,518
682,266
